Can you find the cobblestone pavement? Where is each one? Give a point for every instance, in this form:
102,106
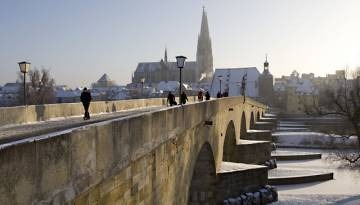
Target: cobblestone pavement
21,131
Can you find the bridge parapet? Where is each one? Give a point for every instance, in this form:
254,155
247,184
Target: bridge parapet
35,113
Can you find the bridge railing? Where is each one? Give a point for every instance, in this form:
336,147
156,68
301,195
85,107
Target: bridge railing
35,113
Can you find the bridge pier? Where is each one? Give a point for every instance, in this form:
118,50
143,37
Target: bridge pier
235,179
262,135
264,125
253,152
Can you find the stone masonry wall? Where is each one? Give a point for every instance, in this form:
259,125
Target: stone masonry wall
236,183
133,160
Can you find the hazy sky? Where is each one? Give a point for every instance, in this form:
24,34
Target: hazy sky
80,40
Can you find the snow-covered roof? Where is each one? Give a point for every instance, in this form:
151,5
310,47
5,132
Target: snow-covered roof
61,93
168,86
11,87
302,86
232,78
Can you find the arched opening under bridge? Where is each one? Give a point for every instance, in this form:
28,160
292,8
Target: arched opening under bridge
229,143
243,126
203,181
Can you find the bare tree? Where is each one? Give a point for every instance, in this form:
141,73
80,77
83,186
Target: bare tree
40,89
342,98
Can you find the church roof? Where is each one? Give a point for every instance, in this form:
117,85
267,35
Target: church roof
152,66
104,78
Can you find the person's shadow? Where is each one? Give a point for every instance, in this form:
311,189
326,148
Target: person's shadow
40,111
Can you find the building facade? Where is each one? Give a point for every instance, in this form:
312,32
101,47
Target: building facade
296,95
231,81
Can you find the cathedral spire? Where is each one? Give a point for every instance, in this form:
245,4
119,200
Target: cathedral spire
204,56
165,55
204,24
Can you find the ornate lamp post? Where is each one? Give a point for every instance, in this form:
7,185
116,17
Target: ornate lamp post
24,68
220,77
243,86
142,80
180,61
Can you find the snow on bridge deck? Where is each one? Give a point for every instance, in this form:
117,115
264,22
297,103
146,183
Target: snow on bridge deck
11,133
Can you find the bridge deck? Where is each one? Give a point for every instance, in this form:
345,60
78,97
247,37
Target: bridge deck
21,131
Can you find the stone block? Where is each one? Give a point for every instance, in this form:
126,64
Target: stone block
253,152
53,165
83,199
94,194
107,186
121,144
18,174
139,135
104,148
83,159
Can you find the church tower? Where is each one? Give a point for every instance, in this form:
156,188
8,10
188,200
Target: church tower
204,56
266,85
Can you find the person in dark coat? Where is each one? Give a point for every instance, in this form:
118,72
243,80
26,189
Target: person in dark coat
225,94
171,99
200,96
86,99
207,95
218,95
183,98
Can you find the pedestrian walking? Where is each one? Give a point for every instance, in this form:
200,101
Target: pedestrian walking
207,95
200,96
183,98
86,99
171,99
218,95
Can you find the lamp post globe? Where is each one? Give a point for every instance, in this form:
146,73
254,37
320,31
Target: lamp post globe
180,62
24,68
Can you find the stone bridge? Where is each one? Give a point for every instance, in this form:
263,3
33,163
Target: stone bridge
173,155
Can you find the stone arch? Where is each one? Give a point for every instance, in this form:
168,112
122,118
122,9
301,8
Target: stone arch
252,121
243,125
258,116
229,143
203,181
